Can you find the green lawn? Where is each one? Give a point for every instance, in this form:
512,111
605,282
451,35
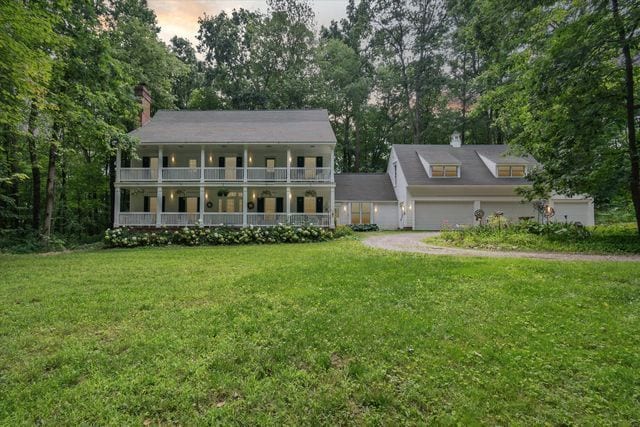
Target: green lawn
327,333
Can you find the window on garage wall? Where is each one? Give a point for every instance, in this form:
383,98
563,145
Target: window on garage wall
360,213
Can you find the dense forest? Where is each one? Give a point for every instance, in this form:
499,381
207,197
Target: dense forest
558,79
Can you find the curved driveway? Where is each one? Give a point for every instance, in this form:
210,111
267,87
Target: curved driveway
412,242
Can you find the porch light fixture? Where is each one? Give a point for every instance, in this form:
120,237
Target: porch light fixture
290,195
250,159
171,195
210,158
375,209
173,158
345,208
206,195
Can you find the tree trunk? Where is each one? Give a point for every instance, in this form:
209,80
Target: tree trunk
634,157
112,188
51,178
357,150
35,169
346,156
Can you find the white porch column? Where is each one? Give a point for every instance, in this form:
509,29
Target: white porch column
332,204
288,165
159,206
202,167
160,164
245,163
116,207
288,202
202,203
118,163
333,159
244,206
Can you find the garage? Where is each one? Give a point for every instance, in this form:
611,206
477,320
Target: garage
577,211
511,210
433,215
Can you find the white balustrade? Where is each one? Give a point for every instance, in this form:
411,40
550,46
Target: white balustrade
311,174
223,174
179,219
266,219
232,219
137,219
320,219
267,174
223,218
181,174
138,174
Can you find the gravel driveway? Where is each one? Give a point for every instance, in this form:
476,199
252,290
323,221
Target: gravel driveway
412,242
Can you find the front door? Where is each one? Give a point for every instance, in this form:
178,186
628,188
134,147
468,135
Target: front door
192,204
230,168
153,166
309,167
309,205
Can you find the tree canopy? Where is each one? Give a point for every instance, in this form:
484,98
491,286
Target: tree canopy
557,79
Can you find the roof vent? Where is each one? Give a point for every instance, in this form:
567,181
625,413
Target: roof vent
455,139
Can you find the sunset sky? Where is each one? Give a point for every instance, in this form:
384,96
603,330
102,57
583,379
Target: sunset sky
180,17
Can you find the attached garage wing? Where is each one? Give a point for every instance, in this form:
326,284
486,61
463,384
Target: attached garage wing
438,215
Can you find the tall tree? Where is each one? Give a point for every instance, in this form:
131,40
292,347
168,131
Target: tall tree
569,92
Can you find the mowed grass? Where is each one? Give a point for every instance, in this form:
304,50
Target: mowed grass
329,333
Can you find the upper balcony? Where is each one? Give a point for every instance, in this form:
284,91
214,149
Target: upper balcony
228,164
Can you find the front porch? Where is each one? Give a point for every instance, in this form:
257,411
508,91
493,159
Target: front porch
226,164
232,207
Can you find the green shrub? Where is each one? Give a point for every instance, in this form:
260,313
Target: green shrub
619,238
195,236
364,227
342,231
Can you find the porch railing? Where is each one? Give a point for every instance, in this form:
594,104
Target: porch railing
138,174
179,219
266,219
311,174
223,174
320,219
267,174
181,174
231,219
222,218
227,174
137,219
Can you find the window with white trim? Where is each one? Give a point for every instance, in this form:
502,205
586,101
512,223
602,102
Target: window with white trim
445,171
511,171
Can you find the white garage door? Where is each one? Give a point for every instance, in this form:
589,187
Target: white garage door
574,211
433,215
511,210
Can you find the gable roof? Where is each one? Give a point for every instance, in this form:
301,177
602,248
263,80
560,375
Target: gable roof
473,171
260,126
375,187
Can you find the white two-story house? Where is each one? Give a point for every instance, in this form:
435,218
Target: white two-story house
232,168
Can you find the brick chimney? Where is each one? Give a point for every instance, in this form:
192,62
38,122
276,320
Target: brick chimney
145,101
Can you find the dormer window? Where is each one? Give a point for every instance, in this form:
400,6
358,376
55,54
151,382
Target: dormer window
509,171
445,171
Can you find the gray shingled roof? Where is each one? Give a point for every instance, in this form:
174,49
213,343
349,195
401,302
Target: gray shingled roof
272,126
438,157
364,187
473,171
